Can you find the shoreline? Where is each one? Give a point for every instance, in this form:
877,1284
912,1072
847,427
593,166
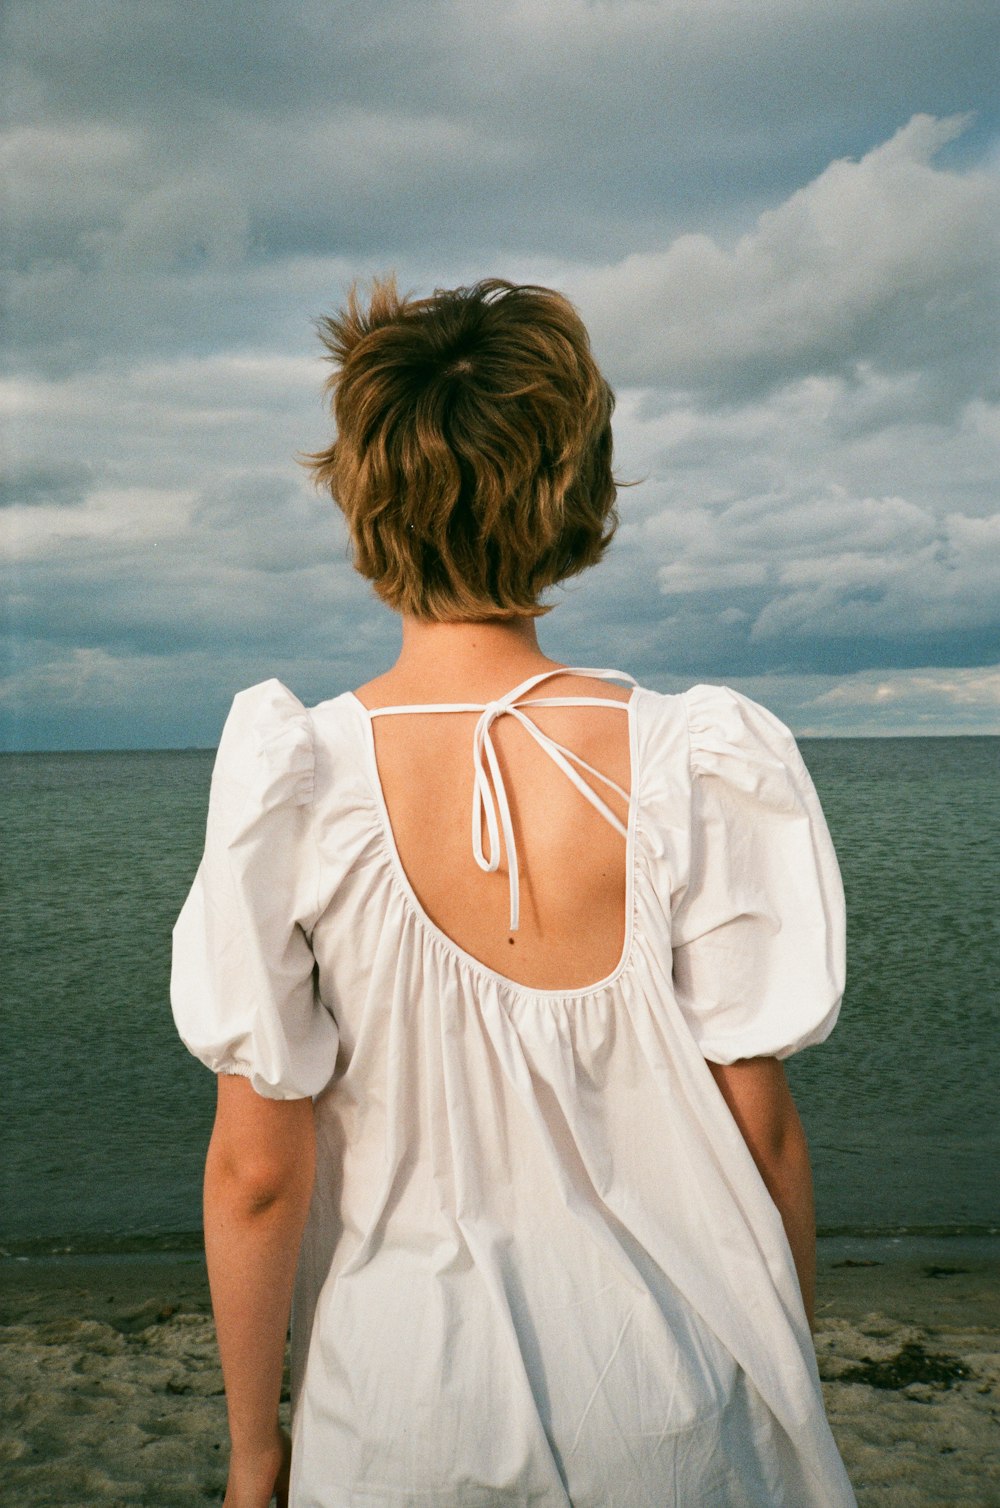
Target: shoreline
881,1243
110,1381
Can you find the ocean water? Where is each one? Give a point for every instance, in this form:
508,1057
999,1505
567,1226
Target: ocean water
106,1117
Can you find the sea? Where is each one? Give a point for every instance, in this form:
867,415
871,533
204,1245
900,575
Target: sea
105,1117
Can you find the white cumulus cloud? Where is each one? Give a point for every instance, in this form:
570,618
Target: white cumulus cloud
889,262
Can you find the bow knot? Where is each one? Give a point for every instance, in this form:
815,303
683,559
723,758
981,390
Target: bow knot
489,798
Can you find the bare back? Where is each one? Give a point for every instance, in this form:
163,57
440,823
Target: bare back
572,863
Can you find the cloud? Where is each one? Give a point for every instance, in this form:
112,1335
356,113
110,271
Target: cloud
841,567
761,536
978,688
171,169
888,264
963,700
926,578
785,269
54,486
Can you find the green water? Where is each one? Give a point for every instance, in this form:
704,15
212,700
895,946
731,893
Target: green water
106,1116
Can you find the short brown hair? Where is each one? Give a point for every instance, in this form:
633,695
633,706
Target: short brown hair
472,460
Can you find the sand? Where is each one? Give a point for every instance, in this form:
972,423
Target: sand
111,1392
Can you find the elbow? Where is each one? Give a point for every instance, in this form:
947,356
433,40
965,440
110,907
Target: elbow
259,1189
257,1186
262,1155
757,1094
782,1157
780,1141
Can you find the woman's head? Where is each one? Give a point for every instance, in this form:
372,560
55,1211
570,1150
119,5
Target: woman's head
472,460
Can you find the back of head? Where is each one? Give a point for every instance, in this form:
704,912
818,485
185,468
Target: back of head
472,459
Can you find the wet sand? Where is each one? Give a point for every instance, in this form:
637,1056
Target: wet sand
111,1392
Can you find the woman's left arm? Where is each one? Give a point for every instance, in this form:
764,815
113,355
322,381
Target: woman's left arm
757,1093
258,1184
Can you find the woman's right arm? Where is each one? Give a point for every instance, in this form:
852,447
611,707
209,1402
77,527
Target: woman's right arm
258,1183
757,1093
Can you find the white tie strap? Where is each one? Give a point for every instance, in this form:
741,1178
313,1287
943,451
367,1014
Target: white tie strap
489,795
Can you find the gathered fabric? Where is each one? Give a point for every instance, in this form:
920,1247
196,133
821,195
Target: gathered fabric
541,1266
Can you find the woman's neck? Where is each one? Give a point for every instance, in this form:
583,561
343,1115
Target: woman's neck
464,661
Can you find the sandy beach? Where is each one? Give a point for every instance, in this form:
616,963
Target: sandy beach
111,1391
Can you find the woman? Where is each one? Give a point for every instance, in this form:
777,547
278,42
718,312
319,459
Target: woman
516,1130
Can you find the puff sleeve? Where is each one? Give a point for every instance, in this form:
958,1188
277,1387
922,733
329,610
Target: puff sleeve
242,984
759,928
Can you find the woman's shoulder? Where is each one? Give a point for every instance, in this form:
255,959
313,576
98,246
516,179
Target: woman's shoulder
716,714
716,732
282,750
267,745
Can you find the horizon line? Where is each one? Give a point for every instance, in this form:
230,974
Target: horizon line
213,748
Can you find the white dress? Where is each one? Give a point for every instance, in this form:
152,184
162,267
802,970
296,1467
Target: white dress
541,1267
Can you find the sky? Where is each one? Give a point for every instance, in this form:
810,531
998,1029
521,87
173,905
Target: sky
779,219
